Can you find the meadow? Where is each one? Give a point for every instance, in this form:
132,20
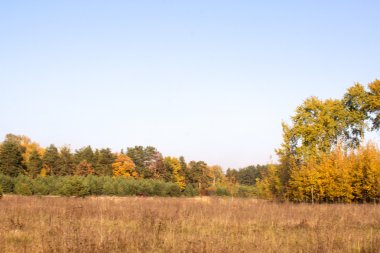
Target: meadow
155,224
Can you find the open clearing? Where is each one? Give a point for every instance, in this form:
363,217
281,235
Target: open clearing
135,224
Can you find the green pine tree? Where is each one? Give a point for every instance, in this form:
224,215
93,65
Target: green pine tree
34,164
51,160
10,159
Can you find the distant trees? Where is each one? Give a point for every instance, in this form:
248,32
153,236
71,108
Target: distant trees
22,156
248,175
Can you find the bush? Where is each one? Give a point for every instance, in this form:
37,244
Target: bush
23,185
222,191
109,187
245,191
1,192
173,190
159,188
145,188
123,187
23,188
190,191
46,185
74,186
95,184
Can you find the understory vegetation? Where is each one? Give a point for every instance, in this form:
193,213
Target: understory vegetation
82,186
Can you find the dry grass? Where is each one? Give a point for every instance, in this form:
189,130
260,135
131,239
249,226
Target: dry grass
110,224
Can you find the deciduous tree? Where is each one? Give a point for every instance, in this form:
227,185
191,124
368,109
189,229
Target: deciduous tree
124,166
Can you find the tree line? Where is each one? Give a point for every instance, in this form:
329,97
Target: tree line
322,159
25,165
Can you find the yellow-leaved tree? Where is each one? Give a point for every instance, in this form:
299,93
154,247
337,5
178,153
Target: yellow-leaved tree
124,166
367,172
173,167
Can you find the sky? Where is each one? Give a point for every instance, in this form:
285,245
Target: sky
209,80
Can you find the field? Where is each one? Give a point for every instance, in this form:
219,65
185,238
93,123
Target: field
137,224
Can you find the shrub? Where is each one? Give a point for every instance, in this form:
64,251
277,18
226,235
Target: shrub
145,187
74,186
222,191
190,191
23,188
123,187
109,187
23,185
1,192
245,191
46,185
173,190
95,184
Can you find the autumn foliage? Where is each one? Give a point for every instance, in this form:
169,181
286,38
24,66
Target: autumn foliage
321,159
124,166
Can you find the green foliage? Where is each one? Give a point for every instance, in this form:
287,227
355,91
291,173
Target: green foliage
191,191
34,164
245,191
85,153
222,191
1,191
10,159
95,184
51,160
104,160
109,186
74,186
198,174
45,185
65,163
148,162
246,176
173,190
23,186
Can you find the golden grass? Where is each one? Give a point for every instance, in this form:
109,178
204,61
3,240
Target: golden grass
132,224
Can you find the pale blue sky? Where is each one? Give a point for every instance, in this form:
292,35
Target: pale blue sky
209,80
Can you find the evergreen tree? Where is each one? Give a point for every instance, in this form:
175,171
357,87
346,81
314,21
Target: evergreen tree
85,153
104,160
10,159
51,160
66,162
34,164
184,169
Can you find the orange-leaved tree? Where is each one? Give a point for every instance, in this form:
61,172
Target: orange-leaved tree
124,166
